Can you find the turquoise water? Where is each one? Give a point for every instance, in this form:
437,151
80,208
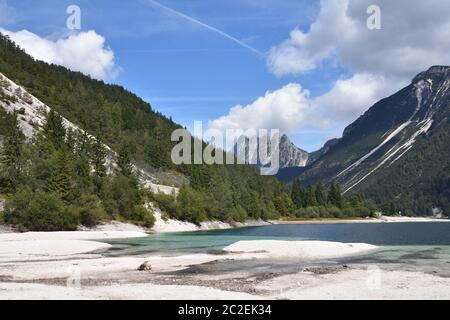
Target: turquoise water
409,246
382,234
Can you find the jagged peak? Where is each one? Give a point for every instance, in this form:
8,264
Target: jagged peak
285,138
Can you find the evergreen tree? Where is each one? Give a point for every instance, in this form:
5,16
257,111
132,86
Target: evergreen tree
320,195
85,145
335,196
53,133
98,158
124,161
61,179
71,141
82,170
298,194
12,153
311,200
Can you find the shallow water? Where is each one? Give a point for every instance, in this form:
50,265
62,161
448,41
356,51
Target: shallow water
382,234
414,246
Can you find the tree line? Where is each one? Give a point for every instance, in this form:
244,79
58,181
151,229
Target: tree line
316,202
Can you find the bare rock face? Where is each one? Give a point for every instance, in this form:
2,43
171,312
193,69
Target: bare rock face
290,155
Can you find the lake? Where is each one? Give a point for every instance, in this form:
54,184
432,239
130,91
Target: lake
413,246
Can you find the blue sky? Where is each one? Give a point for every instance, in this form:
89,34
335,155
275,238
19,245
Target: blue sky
190,72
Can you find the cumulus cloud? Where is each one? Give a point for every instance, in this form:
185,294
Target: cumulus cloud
286,108
413,37
302,51
350,97
291,107
85,52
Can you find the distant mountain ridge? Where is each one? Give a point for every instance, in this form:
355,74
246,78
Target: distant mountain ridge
290,156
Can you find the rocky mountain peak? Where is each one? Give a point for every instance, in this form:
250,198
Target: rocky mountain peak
435,72
290,154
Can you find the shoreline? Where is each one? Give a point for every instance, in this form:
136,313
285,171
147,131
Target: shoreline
383,219
66,265
172,225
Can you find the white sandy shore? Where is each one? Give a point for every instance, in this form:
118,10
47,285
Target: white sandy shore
51,245
37,265
171,225
360,284
136,291
412,219
304,250
38,249
45,257
382,219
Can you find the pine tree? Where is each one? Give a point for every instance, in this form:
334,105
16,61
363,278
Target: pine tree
54,133
311,200
71,141
320,195
12,154
335,196
98,158
124,161
85,144
298,194
61,179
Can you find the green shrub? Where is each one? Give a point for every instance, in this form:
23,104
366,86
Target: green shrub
237,214
143,216
192,205
120,195
40,211
90,210
165,202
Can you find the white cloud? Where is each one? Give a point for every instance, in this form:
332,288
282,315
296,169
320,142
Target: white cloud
291,108
414,36
85,52
303,51
350,97
286,109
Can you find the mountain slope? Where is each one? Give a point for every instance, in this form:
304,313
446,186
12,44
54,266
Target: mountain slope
397,152
32,113
291,155
122,120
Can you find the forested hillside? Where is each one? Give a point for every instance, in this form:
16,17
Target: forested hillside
130,126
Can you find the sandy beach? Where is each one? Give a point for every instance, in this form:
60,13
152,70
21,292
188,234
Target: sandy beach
72,265
172,225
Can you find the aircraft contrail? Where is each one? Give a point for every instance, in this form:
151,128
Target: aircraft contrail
204,25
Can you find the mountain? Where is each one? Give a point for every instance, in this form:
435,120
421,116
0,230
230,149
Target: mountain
397,153
285,174
131,128
32,116
290,155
